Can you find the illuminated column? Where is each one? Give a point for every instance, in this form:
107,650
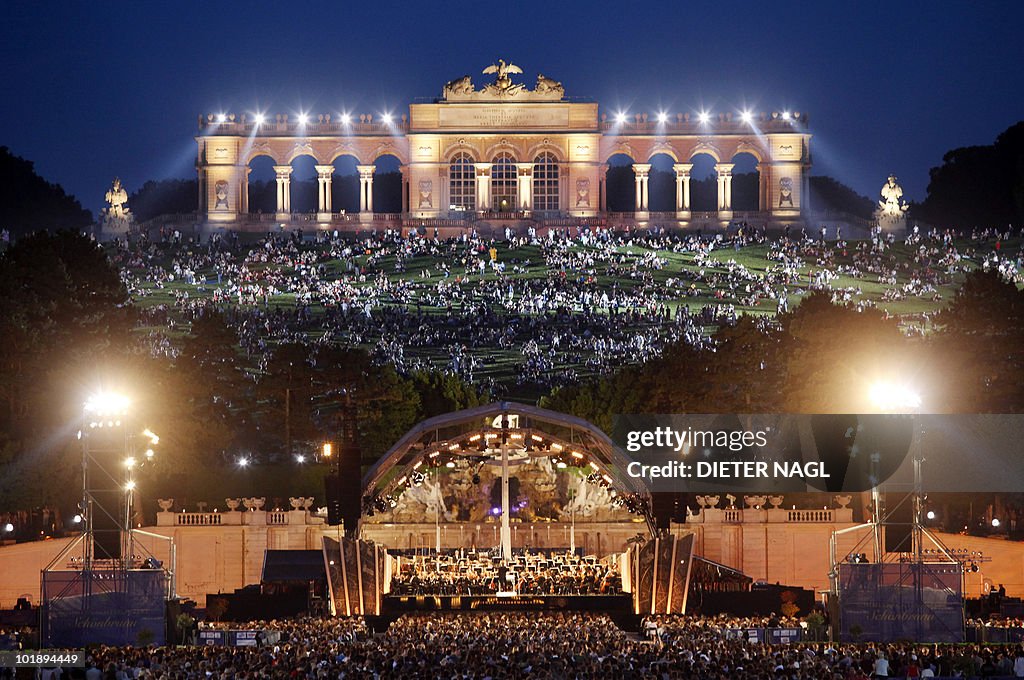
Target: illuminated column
405,188
602,179
683,189
365,192
243,199
638,197
724,171
525,186
641,173
284,191
323,180
483,187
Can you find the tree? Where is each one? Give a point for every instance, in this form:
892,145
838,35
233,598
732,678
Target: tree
979,348
831,355
978,186
164,197
830,194
29,203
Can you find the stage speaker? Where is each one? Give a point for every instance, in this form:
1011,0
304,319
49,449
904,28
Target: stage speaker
663,507
898,518
333,499
107,508
350,486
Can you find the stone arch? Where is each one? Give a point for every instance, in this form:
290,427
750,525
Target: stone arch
346,149
388,149
387,182
620,148
344,180
705,148
303,180
662,148
301,149
458,147
260,185
661,180
262,149
503,147
746,183
619,182
542,147
755,150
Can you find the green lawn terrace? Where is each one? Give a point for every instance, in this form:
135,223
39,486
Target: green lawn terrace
503,364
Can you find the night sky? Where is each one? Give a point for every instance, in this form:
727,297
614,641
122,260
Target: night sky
97,89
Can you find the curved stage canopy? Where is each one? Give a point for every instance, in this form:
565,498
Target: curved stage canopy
478,436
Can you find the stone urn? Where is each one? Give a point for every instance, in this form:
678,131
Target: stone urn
702,501
843,501
776,501
165,504
307,502
233,503
296,503
712,501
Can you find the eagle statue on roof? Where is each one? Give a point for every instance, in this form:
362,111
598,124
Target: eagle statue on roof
503,83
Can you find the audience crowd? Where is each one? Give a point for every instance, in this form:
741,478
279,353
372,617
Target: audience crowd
542,645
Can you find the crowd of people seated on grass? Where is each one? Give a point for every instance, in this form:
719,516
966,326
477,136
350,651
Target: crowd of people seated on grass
587,302
481,573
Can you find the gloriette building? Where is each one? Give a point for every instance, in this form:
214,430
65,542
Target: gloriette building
503,152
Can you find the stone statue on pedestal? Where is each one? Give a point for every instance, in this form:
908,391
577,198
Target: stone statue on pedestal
116,218
892,209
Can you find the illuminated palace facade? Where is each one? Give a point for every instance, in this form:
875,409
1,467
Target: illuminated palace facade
504,152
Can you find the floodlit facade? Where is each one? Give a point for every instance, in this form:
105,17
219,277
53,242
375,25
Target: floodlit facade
503,152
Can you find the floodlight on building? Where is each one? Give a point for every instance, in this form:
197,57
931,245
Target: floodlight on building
786,115
345,119
704,117
303,118
299,458
258,118
385,118
620,117
662,117
129,485
77,519
8,527
243,461
930,514
746,116
995,522
221,117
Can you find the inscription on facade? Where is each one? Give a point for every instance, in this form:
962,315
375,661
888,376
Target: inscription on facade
503,116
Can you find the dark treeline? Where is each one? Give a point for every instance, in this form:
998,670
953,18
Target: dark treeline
29,203
824,358
978,186
68,333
